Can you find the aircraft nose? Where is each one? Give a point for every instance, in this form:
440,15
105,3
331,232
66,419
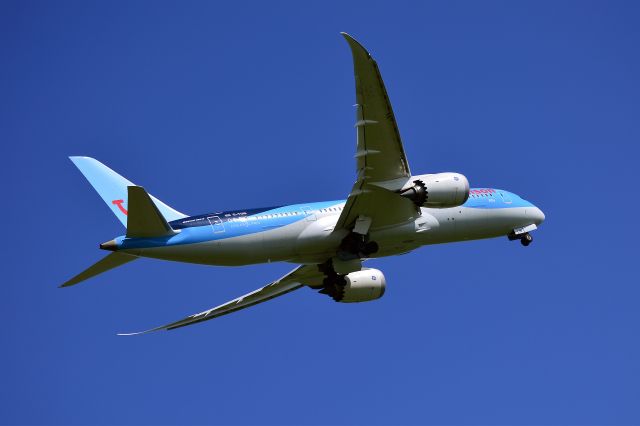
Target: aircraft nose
537,215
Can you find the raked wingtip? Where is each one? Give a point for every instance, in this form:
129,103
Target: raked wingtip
141,332
132,334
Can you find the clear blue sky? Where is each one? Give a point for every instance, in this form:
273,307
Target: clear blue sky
221,105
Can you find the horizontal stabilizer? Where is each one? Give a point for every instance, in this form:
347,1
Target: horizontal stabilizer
144,220
113,260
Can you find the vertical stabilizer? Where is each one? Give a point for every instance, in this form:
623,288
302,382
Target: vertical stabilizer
113,189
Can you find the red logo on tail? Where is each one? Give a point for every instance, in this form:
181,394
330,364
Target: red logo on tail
119,204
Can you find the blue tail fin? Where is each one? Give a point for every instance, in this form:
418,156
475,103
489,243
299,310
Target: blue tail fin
113,189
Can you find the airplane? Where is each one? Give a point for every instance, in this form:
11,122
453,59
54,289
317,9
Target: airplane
388,212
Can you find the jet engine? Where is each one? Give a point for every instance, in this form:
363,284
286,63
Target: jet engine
360,286
438,190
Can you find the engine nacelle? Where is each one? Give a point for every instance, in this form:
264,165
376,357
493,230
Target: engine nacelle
362,286
438,190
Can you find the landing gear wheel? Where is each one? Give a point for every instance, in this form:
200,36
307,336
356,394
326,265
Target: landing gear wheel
526,239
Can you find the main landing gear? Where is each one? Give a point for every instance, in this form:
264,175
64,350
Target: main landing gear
525,239
333,284
356,246
353,248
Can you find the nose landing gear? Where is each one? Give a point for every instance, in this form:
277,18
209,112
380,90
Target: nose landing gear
525,239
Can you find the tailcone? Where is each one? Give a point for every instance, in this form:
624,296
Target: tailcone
109,245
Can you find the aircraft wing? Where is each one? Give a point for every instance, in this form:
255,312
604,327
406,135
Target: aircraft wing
302,275
382,165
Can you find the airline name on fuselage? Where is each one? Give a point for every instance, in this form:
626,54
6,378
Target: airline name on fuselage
482,191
